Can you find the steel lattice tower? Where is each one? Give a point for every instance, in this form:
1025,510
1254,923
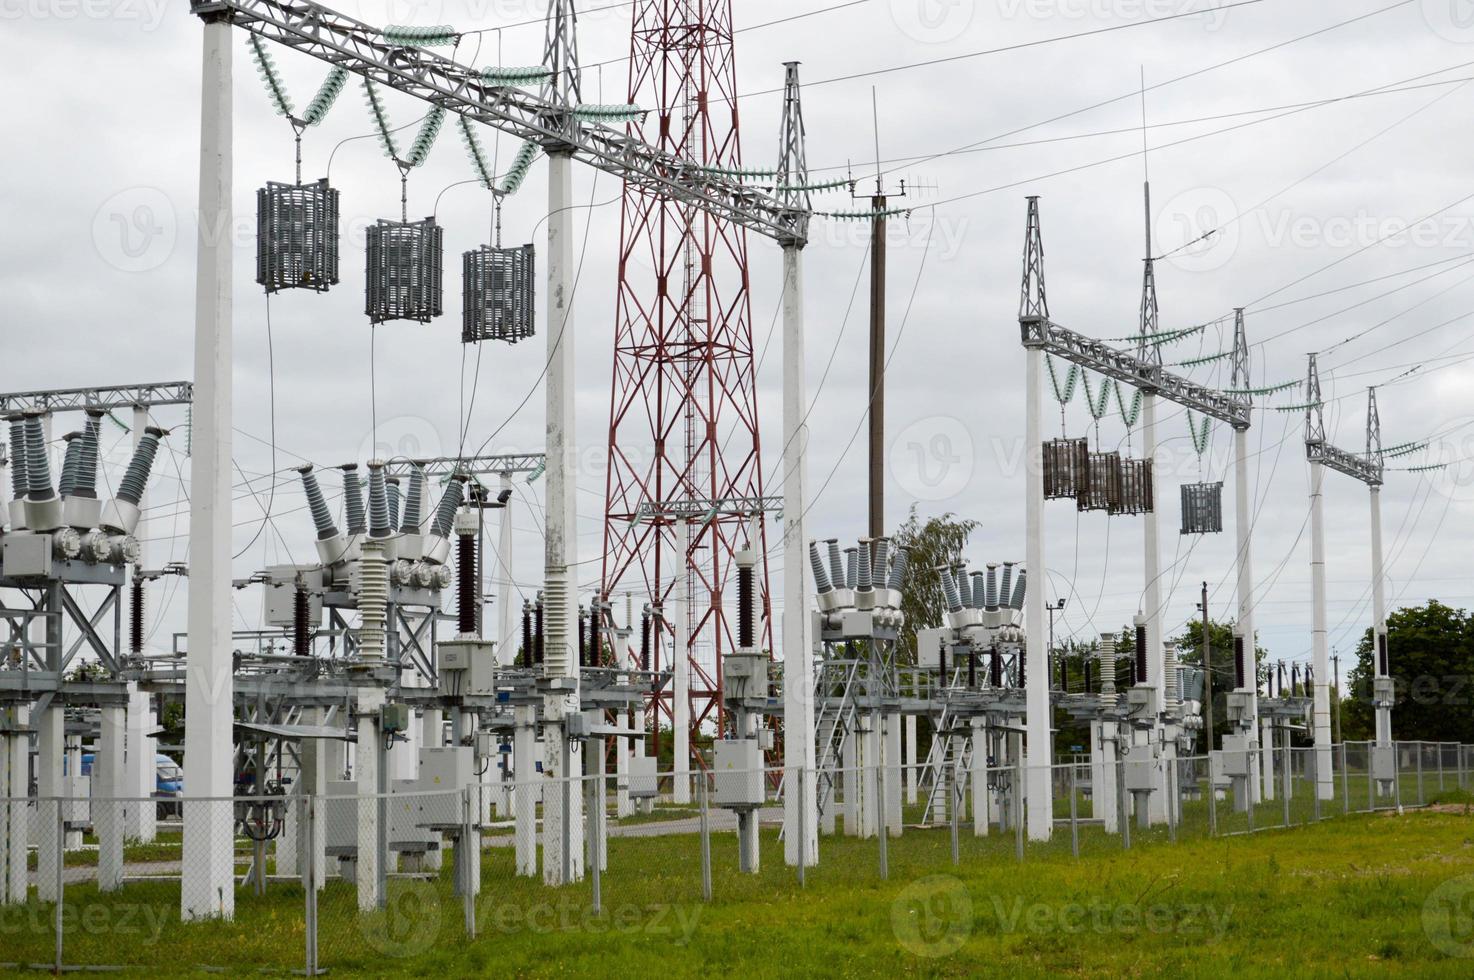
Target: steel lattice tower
683,415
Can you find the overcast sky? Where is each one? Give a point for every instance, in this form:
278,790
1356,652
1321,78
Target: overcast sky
97,265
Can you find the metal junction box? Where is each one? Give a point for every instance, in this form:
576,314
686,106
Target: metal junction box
1235,755
1142,703
1384,763
738,773
467,667
644,784
1141,769
27,555
448,767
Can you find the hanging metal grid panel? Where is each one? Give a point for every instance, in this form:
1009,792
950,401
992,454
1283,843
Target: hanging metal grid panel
1135,488
297,236
1102,487
1202,508
404,276
498,294
1066,468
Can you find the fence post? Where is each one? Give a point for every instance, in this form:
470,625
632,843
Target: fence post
1249,809
1171,801
1397,775
1420,772
1371,780
1312,766
1440,765
1018,798
954,791
309,821
1123,806
1289,781
802,850
880,820
61,834
1074,816
1345,783
705,841
594,852
1212,795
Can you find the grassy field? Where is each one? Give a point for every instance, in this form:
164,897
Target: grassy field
1357,896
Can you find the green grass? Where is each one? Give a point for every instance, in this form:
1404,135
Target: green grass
1342,897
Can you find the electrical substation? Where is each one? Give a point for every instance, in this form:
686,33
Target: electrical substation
402,701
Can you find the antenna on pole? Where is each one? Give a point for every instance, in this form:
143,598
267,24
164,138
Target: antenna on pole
560,55
793,167
1146,348
1239,376
1033,302
1374,431
1315,420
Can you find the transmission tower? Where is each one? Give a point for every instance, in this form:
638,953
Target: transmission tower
683,423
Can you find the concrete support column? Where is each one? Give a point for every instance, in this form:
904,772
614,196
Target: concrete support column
1039,723
980,809
208,889
140,778
911,767
109,787
15,759
1321,704
49,783
369,783
526,791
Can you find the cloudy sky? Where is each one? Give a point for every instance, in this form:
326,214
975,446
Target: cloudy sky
1317,138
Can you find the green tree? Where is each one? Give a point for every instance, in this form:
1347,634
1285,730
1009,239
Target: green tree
1225,676
1430,657
932,543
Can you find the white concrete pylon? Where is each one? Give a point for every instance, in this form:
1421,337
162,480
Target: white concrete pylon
208,888
506,589
1321,694
368,786
1039,756
1244,566
1379,617
800,810
108,792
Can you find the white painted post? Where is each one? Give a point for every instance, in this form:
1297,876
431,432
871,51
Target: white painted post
15,815
506,606
208,888
680,651
1244,564
368,786
1321,708
892,801
800,810
49,783
107,798
526,790
1379,615
1152,599
979,778
1039,754
563,756
911,766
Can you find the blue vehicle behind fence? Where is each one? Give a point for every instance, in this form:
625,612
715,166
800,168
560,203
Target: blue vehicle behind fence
168,776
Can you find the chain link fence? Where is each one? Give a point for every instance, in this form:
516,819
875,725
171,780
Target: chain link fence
351,882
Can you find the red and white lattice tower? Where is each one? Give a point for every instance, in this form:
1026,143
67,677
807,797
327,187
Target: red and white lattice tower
683,424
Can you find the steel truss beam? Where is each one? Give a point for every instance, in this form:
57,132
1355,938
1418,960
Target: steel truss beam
469,465
1354,465
1042,333
114,396
340,40
680,510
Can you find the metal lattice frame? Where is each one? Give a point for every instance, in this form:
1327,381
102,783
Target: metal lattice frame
1135,488
297,236
404,276
341,40
1202,508
107,398
498,294
1101,489
1066,468
1367,469
683,416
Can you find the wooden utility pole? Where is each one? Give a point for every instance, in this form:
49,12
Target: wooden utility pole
877,339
